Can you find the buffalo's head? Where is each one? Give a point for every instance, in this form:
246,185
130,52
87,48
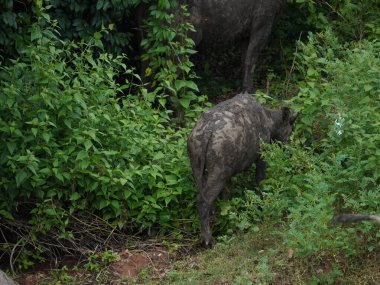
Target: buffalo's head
284,126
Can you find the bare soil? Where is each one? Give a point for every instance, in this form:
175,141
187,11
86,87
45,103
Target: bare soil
133,261
130,263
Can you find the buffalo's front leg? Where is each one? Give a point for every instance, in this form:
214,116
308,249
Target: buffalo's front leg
205,202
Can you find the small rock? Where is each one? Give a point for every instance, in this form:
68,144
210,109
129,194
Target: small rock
5,280
290,253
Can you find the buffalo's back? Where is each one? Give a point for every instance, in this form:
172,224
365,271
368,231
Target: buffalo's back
231,131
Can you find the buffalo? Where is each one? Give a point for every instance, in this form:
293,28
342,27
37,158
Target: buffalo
221,23
226,141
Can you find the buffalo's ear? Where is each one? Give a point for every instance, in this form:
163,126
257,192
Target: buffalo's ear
293,119
285,114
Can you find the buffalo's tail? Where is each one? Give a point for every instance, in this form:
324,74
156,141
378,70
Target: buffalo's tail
197,153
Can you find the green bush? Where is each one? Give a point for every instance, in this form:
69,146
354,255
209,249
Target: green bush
72,143
167,49
340,118
351,20
78,20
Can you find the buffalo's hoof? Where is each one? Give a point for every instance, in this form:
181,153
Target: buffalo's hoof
209,243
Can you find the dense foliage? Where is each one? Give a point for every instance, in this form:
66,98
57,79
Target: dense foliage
72,143
81,135
77,20
333,164
341,91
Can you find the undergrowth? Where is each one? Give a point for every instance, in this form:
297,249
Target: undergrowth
75,144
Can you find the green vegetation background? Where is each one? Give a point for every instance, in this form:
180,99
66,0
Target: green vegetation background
82,139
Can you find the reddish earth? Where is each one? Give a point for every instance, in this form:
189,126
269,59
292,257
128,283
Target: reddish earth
130,263
133,261
32,278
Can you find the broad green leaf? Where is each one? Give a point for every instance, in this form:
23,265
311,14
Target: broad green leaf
368,87
32,167
180,84
7,215
116,205
99,44
167,200
162,102
34,131
75,196
59,176
11,147
87,144
46,137
35,33
225,209
45,170
20,177
51,193
185,102
50,212
103,203
82,155
99,4
94,185
127,194
123,181
171,179
67,123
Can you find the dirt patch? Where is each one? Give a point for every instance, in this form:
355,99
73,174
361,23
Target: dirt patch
133,261
156,260
32,278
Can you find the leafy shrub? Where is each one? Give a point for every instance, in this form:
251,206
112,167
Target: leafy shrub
15,18
166,43
240,212
352,20
167,55
71,144
339,97
340,115
77,20
82,19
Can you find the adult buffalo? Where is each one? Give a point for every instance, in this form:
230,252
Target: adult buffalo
222,23
226,141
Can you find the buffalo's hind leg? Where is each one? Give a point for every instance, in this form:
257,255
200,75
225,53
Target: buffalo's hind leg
205,204
260,176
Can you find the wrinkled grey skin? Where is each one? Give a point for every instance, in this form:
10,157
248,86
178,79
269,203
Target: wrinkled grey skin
222,23
5,280
226,141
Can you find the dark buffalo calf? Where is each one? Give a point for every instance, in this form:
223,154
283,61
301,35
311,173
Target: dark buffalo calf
226,141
